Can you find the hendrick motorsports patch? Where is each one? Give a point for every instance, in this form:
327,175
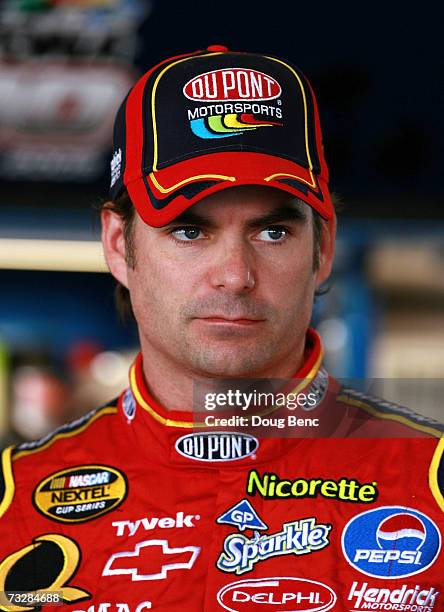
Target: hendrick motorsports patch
80,493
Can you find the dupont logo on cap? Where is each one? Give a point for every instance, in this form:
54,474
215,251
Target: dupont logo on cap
199,123
232,84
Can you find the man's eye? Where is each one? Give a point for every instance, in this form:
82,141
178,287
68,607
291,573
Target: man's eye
273,234
185,234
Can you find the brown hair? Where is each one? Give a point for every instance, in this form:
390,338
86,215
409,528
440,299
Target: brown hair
123,207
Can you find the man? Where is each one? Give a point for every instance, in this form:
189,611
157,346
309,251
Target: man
220,228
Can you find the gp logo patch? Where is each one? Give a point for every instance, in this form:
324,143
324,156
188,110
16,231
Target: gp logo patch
391,542
81,493
243,516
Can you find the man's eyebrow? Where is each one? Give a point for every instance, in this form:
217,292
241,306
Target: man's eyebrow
285,212
291,211
189,217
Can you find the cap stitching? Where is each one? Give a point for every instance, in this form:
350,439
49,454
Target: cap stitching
153,96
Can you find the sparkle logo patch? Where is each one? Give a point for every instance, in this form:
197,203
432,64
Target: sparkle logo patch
302,537
239,102
391,542
241,553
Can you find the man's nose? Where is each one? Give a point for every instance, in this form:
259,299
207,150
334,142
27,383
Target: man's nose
233,267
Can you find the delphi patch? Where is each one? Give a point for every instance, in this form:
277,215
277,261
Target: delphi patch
80,493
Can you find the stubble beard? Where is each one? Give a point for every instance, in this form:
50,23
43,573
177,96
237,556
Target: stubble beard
220,360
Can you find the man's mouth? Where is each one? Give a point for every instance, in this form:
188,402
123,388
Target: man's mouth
222,320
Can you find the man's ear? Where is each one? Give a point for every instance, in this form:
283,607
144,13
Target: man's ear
113,241
326,251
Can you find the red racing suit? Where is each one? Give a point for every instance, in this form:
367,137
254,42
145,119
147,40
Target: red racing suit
130,508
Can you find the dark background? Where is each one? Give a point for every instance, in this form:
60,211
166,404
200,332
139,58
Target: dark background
377,70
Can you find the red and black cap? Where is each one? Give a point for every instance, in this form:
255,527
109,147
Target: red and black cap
213,119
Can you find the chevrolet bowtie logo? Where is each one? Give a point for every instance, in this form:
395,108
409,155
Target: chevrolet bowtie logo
151,560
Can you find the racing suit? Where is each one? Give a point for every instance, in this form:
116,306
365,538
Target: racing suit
130,508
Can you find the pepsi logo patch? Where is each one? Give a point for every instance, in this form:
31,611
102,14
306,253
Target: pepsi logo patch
391,542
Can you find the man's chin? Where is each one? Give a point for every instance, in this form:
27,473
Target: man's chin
229,362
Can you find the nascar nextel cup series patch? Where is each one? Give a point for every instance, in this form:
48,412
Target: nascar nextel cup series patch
80,493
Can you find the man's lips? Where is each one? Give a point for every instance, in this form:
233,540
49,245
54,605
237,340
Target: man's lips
230,321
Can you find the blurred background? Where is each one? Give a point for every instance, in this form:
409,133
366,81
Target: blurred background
65,66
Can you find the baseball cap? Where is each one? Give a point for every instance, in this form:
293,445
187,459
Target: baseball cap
213,119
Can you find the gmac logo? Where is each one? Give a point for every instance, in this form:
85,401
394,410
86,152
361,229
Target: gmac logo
216,446
391,542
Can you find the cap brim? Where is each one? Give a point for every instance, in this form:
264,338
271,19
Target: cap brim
163,195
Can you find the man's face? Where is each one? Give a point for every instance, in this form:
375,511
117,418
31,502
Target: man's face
227,288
